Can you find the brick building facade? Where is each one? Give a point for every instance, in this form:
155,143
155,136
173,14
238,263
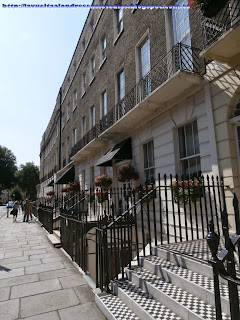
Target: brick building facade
141,74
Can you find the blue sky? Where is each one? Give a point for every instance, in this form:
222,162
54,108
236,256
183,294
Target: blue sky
36,47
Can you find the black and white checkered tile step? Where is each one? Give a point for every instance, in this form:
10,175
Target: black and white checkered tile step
185,304
113,308
158,265
143,305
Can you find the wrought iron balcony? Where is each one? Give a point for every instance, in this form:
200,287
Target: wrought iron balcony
221,33
180,58
88,137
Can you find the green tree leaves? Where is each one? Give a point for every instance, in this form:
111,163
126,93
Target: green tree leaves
27,178
7,168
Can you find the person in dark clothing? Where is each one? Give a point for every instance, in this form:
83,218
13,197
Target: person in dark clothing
26,209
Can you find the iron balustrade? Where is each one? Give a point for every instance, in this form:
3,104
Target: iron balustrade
226,19
181,57
176,210
88,137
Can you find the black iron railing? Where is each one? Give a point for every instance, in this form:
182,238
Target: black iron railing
181,57
45,216
176,210
88,137
227,18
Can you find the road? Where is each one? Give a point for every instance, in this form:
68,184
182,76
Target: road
3,211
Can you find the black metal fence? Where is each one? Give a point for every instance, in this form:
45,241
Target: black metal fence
227,18
175,210
45,216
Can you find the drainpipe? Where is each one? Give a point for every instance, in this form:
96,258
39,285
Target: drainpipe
60,128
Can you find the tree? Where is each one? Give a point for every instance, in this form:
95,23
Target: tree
16,193
27,178
7,168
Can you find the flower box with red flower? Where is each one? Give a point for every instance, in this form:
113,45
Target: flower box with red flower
185,191
91,197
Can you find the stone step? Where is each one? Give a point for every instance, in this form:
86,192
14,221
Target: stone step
184,304
57,234
113,308
54,240
193,282
140,302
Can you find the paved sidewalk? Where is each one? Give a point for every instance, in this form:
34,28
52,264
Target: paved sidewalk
38,281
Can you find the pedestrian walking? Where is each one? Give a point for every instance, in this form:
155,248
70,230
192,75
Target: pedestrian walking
26,209
15,211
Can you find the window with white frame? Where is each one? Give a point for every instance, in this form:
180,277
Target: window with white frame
149,164
181,24
74,100
118,20
190,165
121,91
144,63
92,70
84,126
104,103
74,136
92,116
68,111
103,47
83,83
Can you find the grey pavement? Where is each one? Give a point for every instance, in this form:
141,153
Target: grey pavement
38,281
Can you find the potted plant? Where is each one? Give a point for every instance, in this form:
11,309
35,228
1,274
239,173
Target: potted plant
209,8
103,181
127,174
183,190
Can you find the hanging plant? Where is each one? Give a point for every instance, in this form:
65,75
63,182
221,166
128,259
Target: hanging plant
74,186
103,181
127,174
209,8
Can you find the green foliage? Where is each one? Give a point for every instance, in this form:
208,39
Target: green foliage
16,193
7,168
27,178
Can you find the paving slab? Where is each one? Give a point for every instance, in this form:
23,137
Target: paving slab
10,273
4,294
9,309
44,267
72,281
82,312
46,302
45,316
25,290
18,280
84,293
58,273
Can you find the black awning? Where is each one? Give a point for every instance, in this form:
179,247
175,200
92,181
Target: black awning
121,151
50,184
67,176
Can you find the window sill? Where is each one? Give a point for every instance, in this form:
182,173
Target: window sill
118,36
102,63
91,81
83,94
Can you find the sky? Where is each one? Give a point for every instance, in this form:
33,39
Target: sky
36,47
